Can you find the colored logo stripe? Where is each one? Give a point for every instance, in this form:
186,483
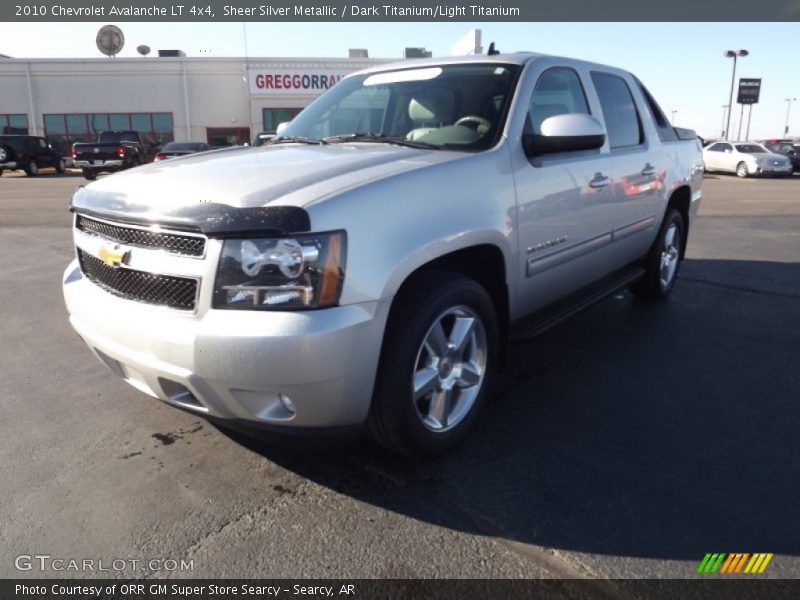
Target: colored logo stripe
758,563
711,563
737,562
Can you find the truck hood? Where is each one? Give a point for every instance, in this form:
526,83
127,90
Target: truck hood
209,189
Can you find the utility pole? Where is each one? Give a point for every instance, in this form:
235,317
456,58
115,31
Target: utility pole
788,107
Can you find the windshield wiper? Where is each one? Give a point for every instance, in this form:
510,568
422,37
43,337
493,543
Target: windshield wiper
292,139
381,138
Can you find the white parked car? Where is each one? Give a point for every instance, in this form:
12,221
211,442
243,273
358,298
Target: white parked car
745,159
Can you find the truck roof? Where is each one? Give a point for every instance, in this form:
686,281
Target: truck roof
514,58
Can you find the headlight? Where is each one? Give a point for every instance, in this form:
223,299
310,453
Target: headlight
289,273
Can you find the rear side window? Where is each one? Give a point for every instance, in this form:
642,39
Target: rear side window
622,119
558,92
665,131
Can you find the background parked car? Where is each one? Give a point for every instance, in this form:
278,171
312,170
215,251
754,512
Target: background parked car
173,149
745,159
114,150
789,148
29,153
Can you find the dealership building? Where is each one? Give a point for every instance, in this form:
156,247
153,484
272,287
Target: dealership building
222,101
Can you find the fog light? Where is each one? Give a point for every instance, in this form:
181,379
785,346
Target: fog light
287,403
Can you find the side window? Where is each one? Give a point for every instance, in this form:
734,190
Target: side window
42,144
558,92
666,133
716,147
622,119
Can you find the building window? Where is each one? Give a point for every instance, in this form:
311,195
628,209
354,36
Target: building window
14,124
273,117
63,130
228,136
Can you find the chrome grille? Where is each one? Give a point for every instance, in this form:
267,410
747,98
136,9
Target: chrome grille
161,290
187,245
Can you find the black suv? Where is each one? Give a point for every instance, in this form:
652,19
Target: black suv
29,153
789,148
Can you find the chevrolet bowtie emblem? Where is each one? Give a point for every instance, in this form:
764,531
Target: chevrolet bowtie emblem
113,256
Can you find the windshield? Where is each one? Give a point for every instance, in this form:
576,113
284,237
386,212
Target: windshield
460,107
751,149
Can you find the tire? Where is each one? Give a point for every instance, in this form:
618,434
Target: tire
32,169
663,262
741,170
414,423
61,166
6,154
1,172
89,174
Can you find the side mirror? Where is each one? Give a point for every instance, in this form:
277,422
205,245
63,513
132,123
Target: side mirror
281,127
565,133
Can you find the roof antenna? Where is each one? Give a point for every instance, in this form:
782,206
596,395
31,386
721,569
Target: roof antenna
491,51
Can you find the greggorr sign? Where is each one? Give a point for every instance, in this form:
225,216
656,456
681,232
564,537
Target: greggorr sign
293,81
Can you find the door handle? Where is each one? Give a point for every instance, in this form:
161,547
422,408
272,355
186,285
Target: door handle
648,170
599,181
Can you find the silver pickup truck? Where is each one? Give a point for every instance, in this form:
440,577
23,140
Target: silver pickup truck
368,265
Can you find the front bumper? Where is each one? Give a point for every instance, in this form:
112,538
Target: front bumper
235,365
772,170
93,164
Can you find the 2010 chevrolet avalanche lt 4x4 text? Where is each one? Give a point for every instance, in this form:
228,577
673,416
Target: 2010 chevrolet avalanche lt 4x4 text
368,264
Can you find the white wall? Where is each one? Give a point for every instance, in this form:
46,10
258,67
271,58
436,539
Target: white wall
218,94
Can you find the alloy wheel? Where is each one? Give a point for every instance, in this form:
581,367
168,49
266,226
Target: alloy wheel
670,255
450,368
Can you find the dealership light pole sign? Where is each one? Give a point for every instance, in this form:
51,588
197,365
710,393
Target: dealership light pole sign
749,91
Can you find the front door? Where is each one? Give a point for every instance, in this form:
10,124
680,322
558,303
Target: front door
564,203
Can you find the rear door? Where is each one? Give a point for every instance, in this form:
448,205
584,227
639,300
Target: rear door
726,161
637,165
713,156
44,156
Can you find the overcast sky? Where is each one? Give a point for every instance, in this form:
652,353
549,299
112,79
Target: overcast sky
681,63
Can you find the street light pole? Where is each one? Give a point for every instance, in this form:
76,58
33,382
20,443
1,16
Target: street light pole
788,106
725,108
674,112
734,54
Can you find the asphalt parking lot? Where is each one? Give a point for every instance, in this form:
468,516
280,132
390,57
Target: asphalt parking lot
627,442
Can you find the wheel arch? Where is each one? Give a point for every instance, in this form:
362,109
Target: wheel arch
484,262
680,199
